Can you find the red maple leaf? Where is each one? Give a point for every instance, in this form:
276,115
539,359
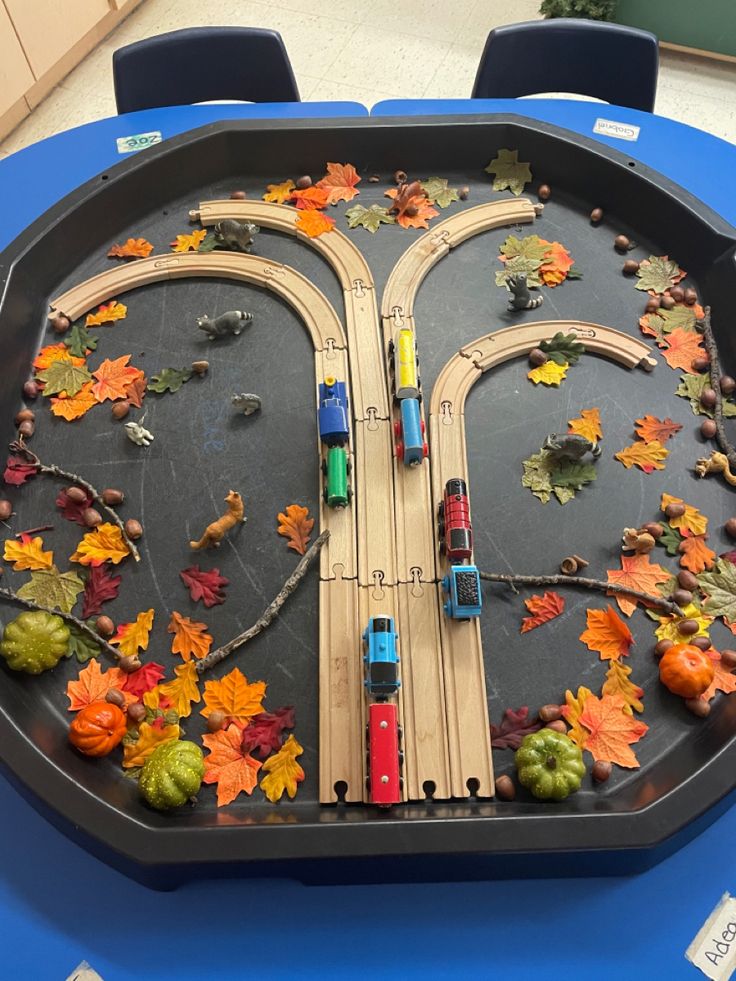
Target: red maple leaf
265,730
543,609
100,587
18,471
144,679
514,726
71,510
204,585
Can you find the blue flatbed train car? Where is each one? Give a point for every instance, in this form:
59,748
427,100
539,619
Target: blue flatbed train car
462,586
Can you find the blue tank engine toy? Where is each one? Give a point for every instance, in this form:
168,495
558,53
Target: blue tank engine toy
332,415
380,657
462,587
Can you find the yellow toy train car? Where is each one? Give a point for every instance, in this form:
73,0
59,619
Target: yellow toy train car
406,374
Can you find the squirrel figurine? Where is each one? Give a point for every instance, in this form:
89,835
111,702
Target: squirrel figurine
230,322
236,235
521,298
215,532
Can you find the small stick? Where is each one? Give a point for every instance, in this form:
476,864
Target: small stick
18,446
32,531
608,587
271,611
716,374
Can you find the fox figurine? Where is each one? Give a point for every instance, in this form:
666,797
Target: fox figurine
215,532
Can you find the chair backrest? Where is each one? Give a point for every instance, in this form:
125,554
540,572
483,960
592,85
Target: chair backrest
614,63
201,64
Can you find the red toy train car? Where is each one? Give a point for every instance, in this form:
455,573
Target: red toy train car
455,531
384,755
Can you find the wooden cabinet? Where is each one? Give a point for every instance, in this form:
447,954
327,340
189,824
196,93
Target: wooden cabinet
48,28
15,72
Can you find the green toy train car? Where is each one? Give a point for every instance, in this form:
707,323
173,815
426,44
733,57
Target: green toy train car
336,469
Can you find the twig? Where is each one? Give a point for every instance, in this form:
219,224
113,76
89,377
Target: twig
581,582
711,347
271,611
12,597
33,531
18,446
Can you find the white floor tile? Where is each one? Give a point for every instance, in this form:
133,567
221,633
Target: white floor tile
438,20
714,115
306,86
456,73
329,91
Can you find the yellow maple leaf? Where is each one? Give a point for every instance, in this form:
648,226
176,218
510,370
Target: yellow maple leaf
646,456
669,626
618,683
149,738
588,425
692,520
571,712
104,544
283,773
27,554
108,313
182,690
132,637
549,373
234,696
192,241
278,193
74,407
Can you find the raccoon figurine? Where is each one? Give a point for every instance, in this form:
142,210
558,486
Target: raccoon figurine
236,235
246,403
570,446
521,298
231,322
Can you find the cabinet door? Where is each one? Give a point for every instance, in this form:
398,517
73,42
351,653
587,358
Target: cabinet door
15,74
49,28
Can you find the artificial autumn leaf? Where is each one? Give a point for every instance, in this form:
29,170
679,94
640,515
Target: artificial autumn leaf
49,587
314,223
279,193
515,724
556,265
670,540
691,387
296,526
569,474
509,172
651,429
206,585
103,544
607,634
265,731
144,679
113,378
107,313
189,242
563,348
646,456
549,373
18,471
683,347
424,211
339,182
542,609
692,520
150,737
54,352
310,198
182,691
663,321
658,274
134,248
438,192
669,626
92,684
74,406
80,342
74,510
132,637
719,587
612,730
588,424
538,470
723,678
619,683
27,554
228,766
81,645
637,573
283,772
571,712
695,556
135,390
190,637
369,218
520,264
529,246
169,380
235,696
64,376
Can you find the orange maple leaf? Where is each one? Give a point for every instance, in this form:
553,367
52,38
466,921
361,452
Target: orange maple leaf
339,182
103,544
588,424
424,210
75,406
571,712
723,680
311,198
607,634
134,248
107,313
92,684
27,554
639,574
192,241
228,766
132,637
646,456
278,193
113,378
695,554
190,637
283,771
54,352
150,737
651,429
612,730
180,692
619,683
296,526
556,265
543,609
692,520
684,346
314,223
135,390
234,696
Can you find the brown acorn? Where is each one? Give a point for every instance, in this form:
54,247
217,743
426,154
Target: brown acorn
104,626
6,509
129,664
400,176
537,357
302,183
136,712
630,267
76,494
688,627
91,517
411,211
652,305
683,597
120,410
596,216
661,648
701,363
23,415
674,510
557,725
708,398
708,428
677,293
621,243
30,389
464,193
653,528
730,527
702,643
27,428
112,496
200,367
691,297
238,195
728,384
545,192
505,788
728,659
133,529
215,720
115,697
687,580
698,706
601,771
60,324
667,303
550,713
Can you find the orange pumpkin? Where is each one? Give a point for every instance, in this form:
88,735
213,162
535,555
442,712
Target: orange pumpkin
686,670
97,729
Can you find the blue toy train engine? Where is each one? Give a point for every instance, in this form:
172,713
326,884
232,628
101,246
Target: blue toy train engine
332,415
411,447
380,657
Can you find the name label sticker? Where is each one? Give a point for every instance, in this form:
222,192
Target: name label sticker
714,949
620,131
132,144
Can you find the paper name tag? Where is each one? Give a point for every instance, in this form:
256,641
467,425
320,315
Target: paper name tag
714,948
620,131
131,144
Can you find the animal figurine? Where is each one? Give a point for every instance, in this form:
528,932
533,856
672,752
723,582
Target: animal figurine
521,298
236,235
215,532
570,446
230,322
246,403
137,434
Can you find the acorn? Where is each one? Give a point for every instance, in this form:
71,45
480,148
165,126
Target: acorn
30,389
702,643
708,398
112,496
701,363
730,527
621,243
24,415
374,178
27,428
688,627
596,216
686,580
104,626
129,664
76,494
630,267
550,713
120,410
708,428
91,517
400,176
652,305
537,357
6,509
601,771
136,712
60,324
302,183
545,192
238,195
667,303
557,725
653,528
411,211
728,384
662,647
728,659
215,720
464,193
200,367
691,297
683,597
115,697
677,293
133,529
674,510
698,706
505,788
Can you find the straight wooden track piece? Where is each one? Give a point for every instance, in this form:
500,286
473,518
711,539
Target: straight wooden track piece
375,503
370,391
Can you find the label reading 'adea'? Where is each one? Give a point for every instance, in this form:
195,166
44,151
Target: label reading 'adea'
620,131
714,948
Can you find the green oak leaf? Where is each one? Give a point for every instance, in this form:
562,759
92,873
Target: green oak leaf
80,341
63,376
573,474
438,192
509,172
657,273
520,264
169,380
208,243
369,218
656,324
530,246
719,586
80,645
563,348
691,387
537,472
49,587
574,272
669,539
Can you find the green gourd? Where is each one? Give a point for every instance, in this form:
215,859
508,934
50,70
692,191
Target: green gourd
172,774
549,764
34,642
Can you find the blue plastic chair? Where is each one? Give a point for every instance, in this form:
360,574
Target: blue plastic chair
201,64
610,62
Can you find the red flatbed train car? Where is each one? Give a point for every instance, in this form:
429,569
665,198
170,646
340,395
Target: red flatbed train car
384,755
455,531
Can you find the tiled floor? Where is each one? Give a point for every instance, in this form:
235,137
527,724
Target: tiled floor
366,51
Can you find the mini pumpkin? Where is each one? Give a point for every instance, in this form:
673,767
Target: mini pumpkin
97,728
686,670
549,764
35,641
172,774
